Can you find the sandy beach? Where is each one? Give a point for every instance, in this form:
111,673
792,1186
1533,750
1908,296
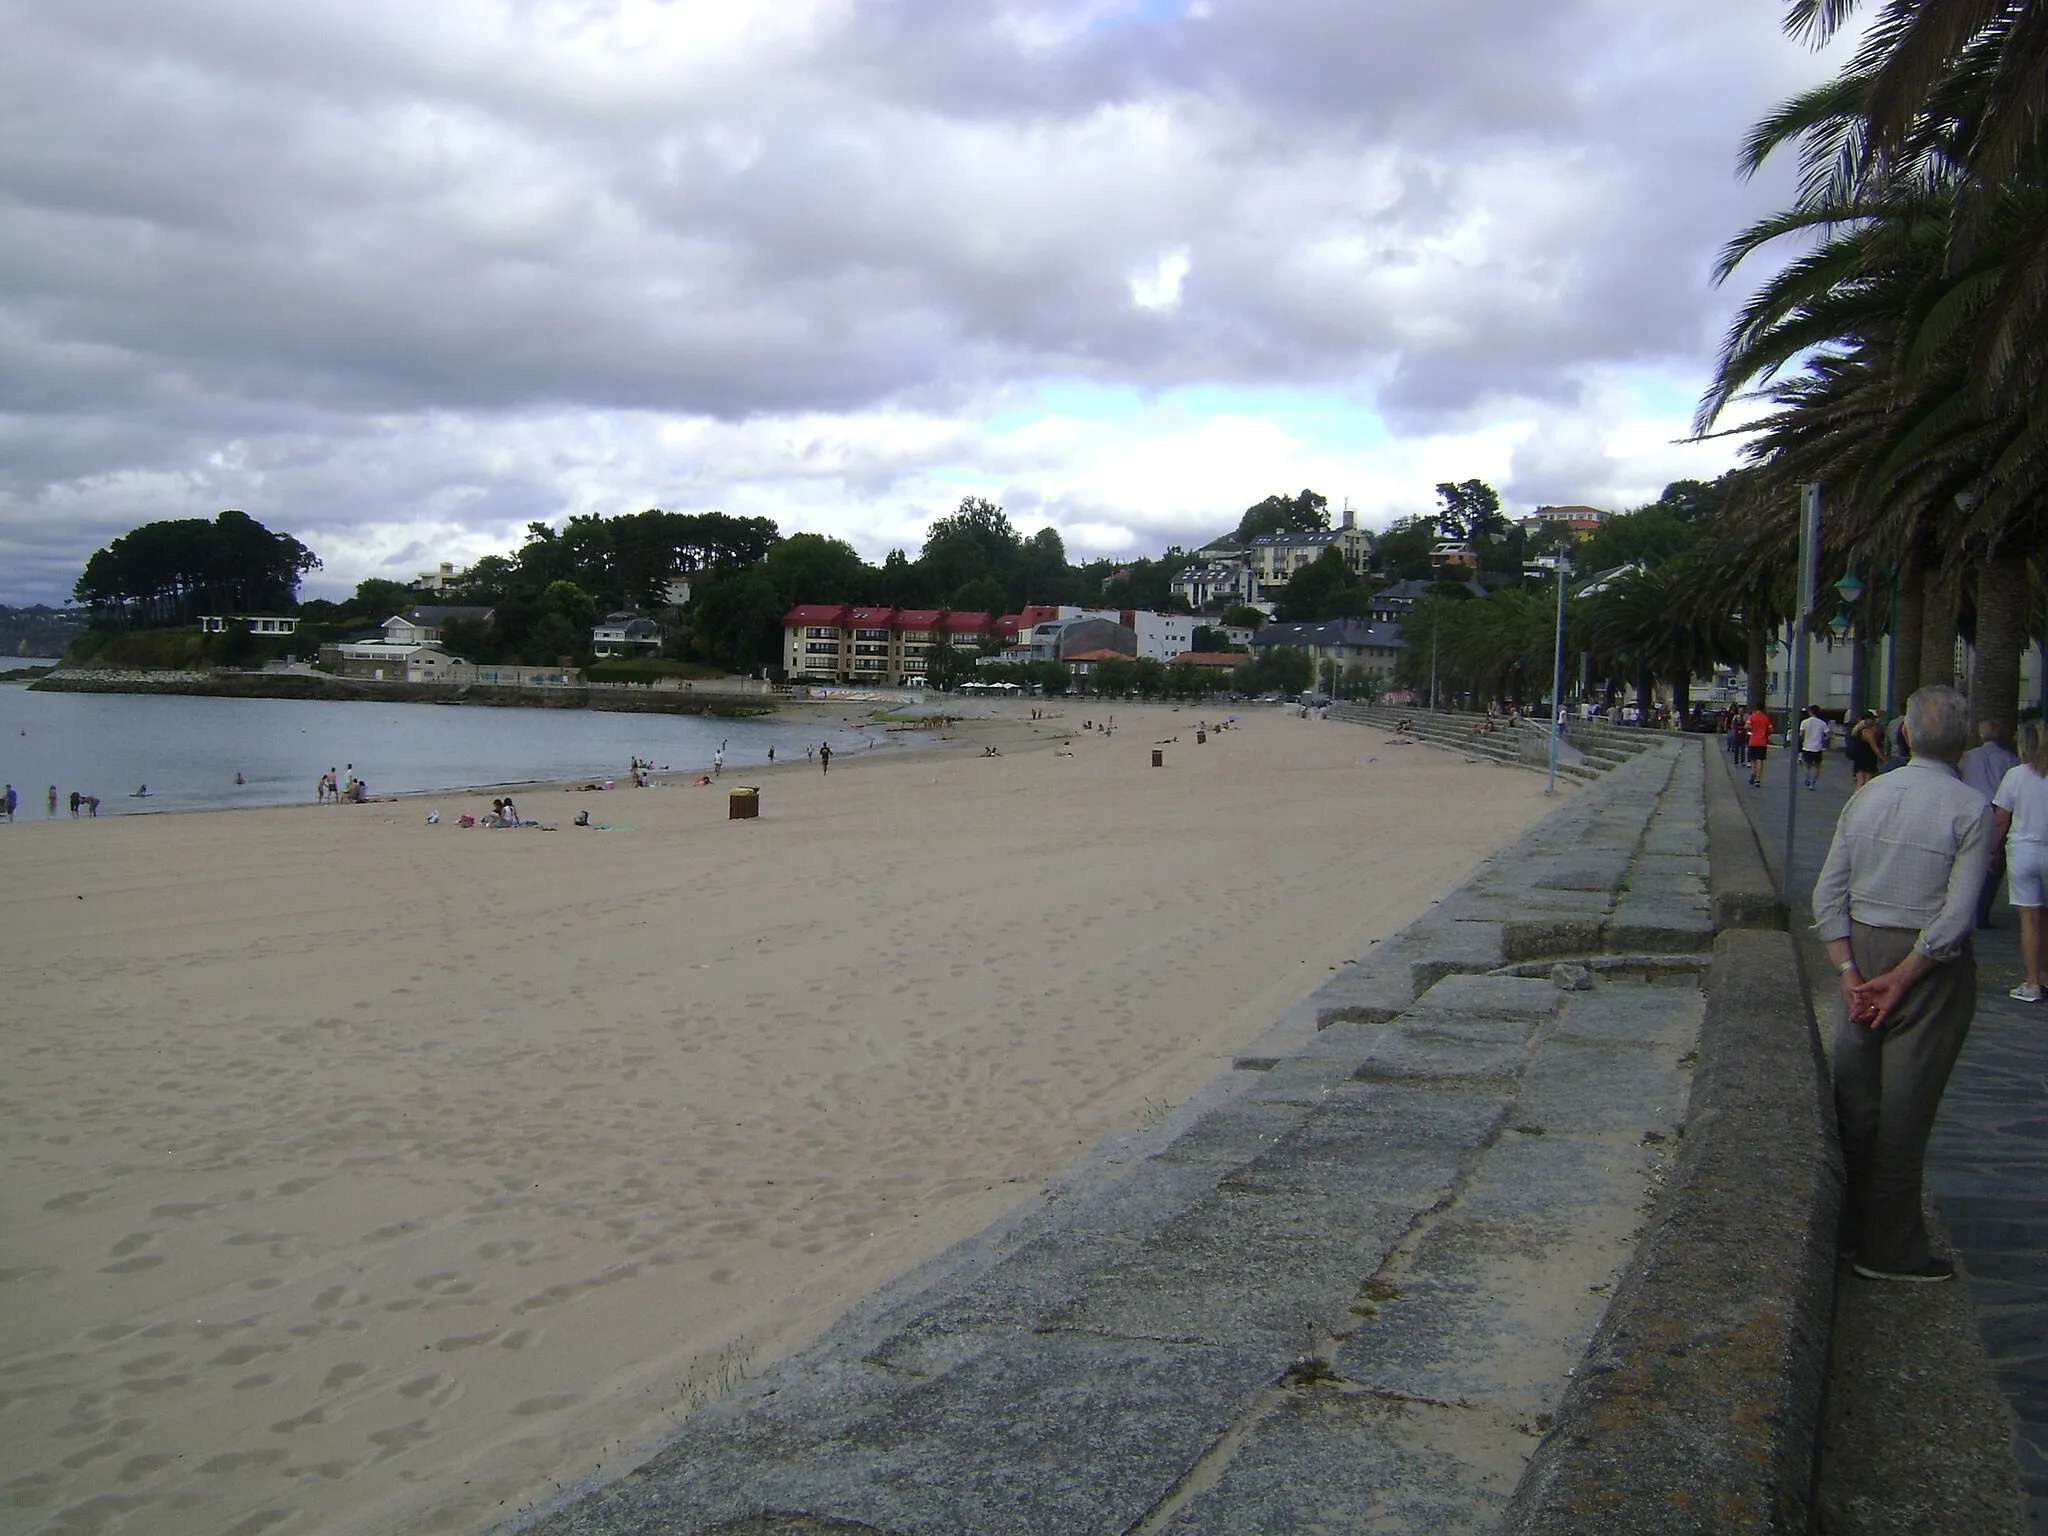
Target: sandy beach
363,1175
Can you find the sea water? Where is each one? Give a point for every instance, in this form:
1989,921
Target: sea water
187,750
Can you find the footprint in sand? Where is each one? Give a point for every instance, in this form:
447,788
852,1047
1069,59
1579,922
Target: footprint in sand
553,1402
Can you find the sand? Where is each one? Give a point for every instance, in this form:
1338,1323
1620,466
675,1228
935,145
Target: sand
366,1175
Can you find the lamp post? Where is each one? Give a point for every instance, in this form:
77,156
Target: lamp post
1849,589
1563,567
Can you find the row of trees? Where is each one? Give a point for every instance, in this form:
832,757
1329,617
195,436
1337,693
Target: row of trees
1900,353
173,572
1644,628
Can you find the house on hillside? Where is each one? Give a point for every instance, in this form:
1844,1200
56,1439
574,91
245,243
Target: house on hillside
1351,643
422,626
625,634
1392,604
259,623
1275,557
1580,522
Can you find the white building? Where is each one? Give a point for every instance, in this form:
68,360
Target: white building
1162,635
259,623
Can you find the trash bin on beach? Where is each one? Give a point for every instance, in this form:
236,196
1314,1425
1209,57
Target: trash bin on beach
743,804
1158,758
1201,738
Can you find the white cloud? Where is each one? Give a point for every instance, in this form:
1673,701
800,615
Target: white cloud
388,276
1158,289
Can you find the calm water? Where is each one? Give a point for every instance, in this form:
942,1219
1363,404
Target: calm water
188,750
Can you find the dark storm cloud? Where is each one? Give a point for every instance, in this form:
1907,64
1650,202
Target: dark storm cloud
358,252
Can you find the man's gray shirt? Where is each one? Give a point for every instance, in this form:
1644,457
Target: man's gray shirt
1908,853
1984,768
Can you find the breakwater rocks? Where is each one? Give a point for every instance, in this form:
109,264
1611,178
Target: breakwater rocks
623,698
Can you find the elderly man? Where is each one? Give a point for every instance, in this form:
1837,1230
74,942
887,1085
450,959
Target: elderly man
1984,768
1894,903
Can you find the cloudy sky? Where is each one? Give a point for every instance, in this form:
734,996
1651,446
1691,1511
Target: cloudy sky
400,278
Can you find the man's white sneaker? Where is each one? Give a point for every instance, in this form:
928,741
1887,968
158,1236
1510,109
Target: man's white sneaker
2026,992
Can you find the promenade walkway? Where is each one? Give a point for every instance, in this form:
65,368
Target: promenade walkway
1989,1162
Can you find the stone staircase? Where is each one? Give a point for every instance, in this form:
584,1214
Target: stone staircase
1593,748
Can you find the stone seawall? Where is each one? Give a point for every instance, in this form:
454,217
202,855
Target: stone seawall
1418,1263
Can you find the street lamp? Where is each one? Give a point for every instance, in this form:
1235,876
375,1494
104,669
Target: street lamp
1563,567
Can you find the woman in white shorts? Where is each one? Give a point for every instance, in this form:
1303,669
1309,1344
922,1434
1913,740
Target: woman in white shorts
2020,811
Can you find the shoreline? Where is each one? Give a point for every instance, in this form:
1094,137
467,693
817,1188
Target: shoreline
417,1174
426,757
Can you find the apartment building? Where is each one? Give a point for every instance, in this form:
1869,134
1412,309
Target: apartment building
878,647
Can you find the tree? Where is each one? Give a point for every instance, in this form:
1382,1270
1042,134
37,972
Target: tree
1325,588
1916,322
171,572
377,599
1280,670
1305,513
1403,551
984,594
1471,510
976,540
736,619
811,568
947,666
1242,616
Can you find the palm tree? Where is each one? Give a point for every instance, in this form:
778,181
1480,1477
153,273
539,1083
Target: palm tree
1917,319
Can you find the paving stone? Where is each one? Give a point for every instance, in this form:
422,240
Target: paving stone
1332,1461
1587,869
1662,923
1010,1299
1408,1053
1370,1142
1621,1011
1273,1270
1492,997
1578,1088
1434,948
1365,993
992,1447
1488,1312
1233,1132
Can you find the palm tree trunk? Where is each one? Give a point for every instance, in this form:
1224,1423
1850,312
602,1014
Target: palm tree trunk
2001,640
1757,665
1938,629
1907,622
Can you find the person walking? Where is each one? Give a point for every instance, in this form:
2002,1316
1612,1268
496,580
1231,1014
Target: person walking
1984,768
1865,749
2019,814
51,802
825,755
1758,731
1894,904
1813,744
9,800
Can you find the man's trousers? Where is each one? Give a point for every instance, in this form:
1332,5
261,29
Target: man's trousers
1888,1087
